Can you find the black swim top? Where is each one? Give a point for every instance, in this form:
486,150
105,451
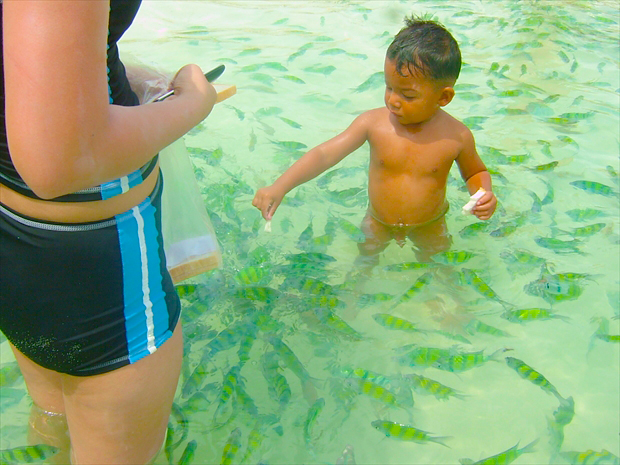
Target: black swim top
122,14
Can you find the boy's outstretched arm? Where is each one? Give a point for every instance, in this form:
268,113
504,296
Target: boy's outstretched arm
311,164
476,176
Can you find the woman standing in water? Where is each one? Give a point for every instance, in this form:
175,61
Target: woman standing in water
85,298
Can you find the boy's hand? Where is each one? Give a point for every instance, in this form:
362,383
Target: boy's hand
267,200
485,207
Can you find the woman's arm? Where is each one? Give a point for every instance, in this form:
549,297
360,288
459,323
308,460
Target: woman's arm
63,134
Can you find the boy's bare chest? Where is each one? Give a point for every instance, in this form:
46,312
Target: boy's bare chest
420,156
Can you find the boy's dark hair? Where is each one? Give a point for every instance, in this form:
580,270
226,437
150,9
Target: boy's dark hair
426,47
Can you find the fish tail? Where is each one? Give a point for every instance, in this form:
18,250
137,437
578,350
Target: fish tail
530,446
441,440
563,318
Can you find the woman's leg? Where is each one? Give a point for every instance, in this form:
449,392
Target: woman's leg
47,423
121,417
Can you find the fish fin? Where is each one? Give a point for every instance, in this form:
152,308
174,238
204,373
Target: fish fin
530,446
441,439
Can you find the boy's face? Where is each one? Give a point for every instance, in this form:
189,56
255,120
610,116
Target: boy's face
413,99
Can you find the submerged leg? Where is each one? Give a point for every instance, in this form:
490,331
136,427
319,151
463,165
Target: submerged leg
377,239
430,239
121,417
47,423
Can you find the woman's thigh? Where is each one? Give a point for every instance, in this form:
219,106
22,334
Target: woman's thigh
120,417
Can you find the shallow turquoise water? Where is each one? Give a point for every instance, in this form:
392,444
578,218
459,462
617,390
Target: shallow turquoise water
540,84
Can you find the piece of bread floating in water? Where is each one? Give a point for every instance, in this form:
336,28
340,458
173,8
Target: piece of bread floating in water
467,208
224,91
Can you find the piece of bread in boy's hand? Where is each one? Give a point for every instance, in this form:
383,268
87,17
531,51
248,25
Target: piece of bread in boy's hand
224,91
468,207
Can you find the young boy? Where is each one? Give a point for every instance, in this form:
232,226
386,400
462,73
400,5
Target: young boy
413,143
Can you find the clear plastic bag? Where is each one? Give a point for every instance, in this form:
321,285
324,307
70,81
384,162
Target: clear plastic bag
189,240
190,243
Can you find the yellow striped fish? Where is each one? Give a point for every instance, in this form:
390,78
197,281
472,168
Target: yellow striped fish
250,275
453,257
406,432
185,290
393,322
408,266
255,439
462,362
313,412
531,314
415,289
28,454
480,286
503,458
258,293
424,356
233,444
188,453
527,372
423,385
374,390
590,457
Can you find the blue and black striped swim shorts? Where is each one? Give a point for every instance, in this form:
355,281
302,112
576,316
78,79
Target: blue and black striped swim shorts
86,298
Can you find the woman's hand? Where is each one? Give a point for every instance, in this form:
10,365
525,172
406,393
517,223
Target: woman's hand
190,81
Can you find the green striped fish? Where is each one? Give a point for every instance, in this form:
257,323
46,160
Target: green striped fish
477,326
255,439
310,257
313,412
406,432
351,230
480,286
231,379
453,257
408,266
251,275
185,290
277,385
9,374
374,390
233,444
588,230
415,289
527,372
594,187
393,322
503,458
28,454
368,299
334,322
257,293
423,385
584,214
188,453
531,314
424,356
591,457
462,362
306,284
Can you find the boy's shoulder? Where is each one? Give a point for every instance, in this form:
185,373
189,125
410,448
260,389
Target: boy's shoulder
452,123
372,117
380,112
